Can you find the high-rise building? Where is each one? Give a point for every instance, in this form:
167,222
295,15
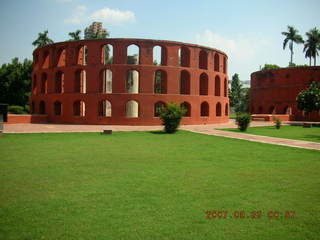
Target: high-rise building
94,29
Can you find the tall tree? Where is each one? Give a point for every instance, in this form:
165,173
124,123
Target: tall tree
308,100
291,37
235,92
75,35
312,45
42,39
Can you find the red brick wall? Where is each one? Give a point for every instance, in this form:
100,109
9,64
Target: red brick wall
17,118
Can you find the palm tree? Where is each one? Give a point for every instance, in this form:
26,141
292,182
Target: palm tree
292,36
42,39
312,45
75,35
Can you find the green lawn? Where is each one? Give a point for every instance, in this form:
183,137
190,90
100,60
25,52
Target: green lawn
290,132
144,185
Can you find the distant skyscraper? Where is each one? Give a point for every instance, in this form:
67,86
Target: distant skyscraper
94,29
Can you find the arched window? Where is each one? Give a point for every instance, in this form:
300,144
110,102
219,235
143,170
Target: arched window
44,83
226,110
287,110
184,57
59,81
203,88
272,109
34,84
42,107
224,65
132,83
217,90
204,109
79,108
80,81
107,54
105,108
82,57
159,56
160,82
45,63
216,62
218,109
157,108
32,110
133,54
260,109
184,82
132,109
203,59
61,58
106,81
186,106
225,92
57,108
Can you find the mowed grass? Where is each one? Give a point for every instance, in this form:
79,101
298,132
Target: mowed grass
289,132
143,185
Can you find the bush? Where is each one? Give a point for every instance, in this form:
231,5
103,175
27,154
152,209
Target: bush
277,122
171,116
15,109
243,120
27,108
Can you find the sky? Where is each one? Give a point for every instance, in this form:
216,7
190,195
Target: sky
248,31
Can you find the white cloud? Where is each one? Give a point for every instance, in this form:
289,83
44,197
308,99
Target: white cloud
78,15
112,15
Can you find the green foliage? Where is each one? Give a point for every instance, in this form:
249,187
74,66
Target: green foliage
42,39
171,116
308,100
312,45
297,65
15,82
239,96
270,66
75,35
243,120
15,109
277,122
291,37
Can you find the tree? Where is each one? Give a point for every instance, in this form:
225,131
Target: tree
42,39
308,100
171,116
75,35
99,35
243,105
291,37
312,45
270,66
235,92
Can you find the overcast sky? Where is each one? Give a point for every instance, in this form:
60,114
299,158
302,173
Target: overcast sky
249,32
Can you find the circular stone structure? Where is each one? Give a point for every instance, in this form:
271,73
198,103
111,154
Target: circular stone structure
275,91
127,81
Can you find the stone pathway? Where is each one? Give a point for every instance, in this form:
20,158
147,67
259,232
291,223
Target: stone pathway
211,129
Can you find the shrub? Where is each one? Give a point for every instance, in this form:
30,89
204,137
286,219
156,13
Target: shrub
171,116
15,109
243,120
27,108
277,122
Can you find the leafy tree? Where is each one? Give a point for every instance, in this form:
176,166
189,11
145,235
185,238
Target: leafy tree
75,35
235,91
312,45
291,37
270,66
15,82
243,121
42,39
98,35
308,100
243,104
171,116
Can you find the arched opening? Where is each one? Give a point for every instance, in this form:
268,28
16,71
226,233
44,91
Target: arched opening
132,83
287,110
82,56
272,109
61,58
44,83
226,110
216,62
157,108
107,54
32,110
184,82
80,81
218,109
225,90
59,81
186,106
203,59
42,107
133,56
159,56
34,84
132,109
203,88
160,82
106,81
204,109
260,109
105,108
217,89
224,65
57,108
184,57
79,108
45,63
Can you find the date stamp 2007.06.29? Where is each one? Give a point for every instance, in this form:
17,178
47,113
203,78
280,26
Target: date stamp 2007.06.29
254,214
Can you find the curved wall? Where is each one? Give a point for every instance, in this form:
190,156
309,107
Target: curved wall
275,91
78,82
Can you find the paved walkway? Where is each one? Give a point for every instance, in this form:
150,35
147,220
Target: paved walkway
210,129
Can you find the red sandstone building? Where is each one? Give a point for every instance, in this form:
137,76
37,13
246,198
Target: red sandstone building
275,91
106,82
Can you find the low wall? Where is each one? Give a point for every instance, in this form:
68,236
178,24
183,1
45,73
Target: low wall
270,117
27,118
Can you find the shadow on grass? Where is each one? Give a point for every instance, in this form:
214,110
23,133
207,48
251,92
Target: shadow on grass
158,132
312,137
